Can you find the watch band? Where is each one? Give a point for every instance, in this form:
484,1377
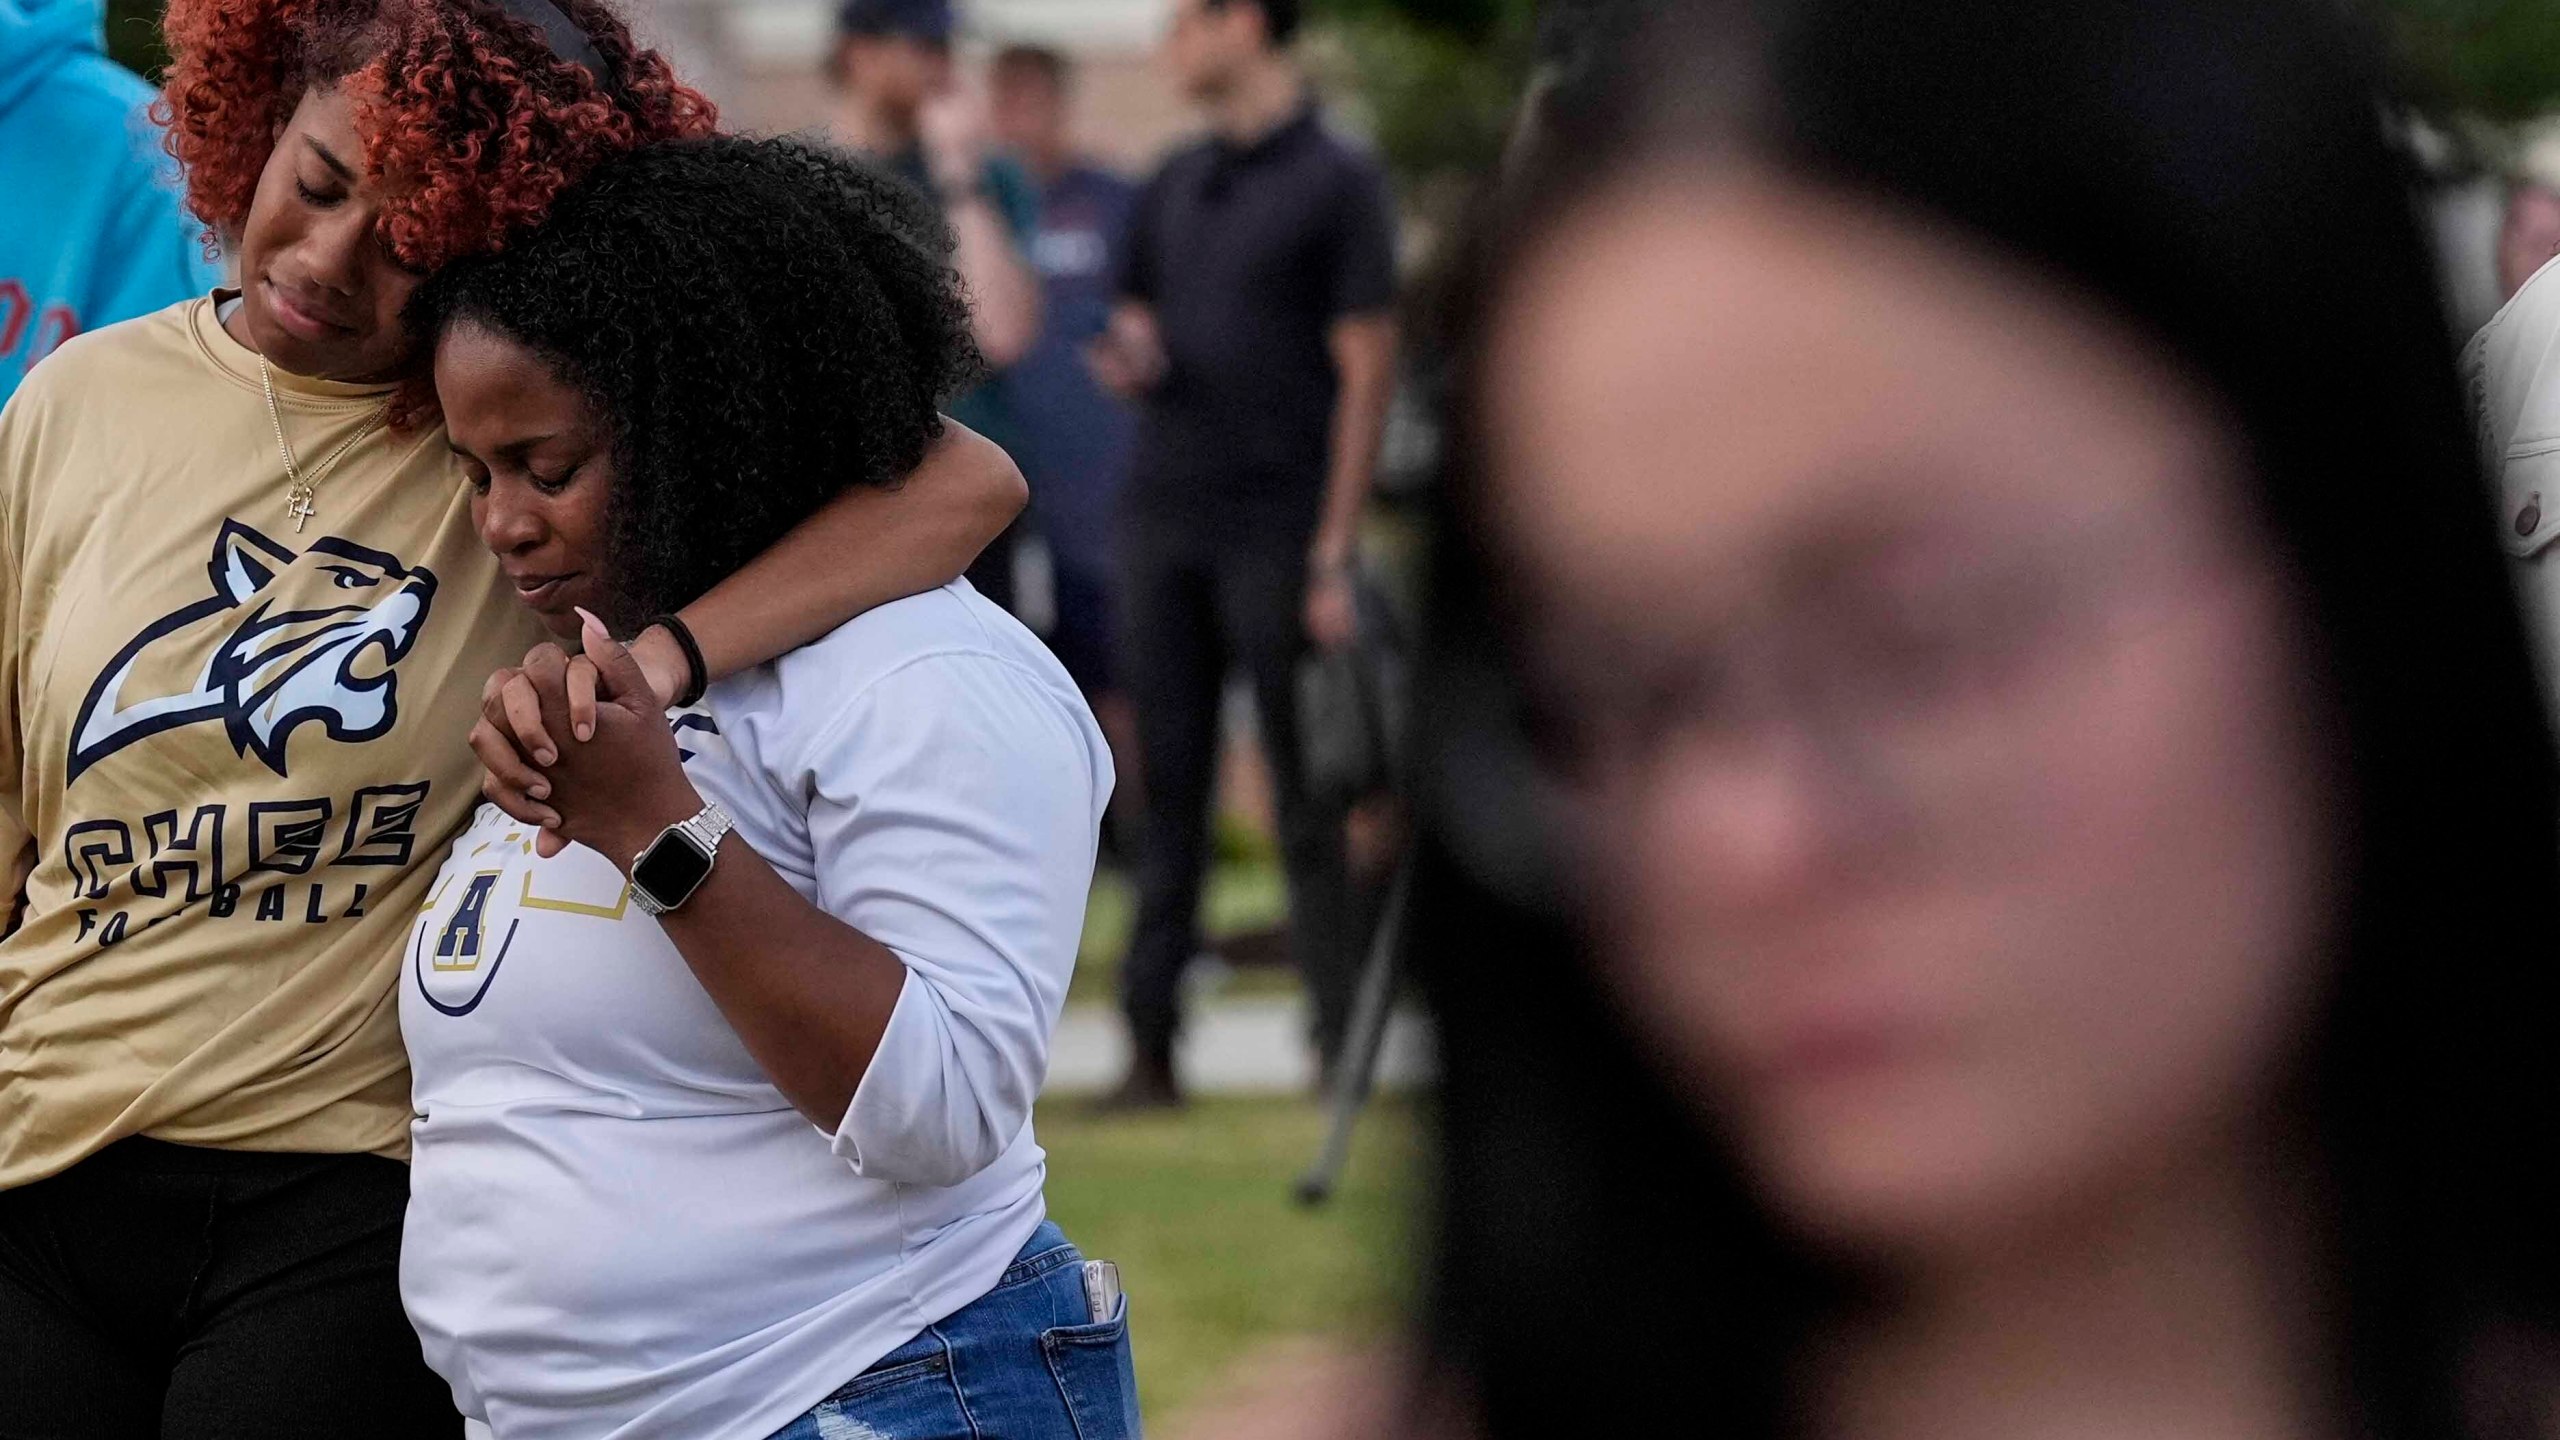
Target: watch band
708,826
700,834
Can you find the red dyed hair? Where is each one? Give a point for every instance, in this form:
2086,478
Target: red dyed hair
470,122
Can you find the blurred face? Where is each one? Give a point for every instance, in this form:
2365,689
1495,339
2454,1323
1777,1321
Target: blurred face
1934,712
2530,238
540,466
898,73
1206,48
1028,113
320,294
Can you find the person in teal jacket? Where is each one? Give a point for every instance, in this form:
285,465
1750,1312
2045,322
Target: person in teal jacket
91,227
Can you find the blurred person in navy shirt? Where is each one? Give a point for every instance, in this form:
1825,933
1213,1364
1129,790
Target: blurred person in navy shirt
1073,437
1256,321
898,104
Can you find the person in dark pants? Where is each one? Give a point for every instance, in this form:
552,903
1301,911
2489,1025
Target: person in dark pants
1255,322
205,1280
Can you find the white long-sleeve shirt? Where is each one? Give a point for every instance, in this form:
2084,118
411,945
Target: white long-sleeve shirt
617,1226
2512,369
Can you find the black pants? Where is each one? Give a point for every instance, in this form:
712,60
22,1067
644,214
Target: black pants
159,1290
1196,609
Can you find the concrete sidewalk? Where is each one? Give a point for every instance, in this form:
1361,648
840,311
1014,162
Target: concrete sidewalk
1241,1046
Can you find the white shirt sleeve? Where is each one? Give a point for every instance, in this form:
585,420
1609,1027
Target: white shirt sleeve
2512,370
953,811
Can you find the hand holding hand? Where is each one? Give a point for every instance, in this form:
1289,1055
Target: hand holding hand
618,785
513,739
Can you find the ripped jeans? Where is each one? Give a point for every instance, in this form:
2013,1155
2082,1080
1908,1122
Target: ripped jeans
1025,1361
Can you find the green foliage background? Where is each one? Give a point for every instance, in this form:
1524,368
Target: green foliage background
2496,59
1439,62
133,37
1437,78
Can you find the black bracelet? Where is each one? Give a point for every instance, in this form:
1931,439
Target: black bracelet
697,675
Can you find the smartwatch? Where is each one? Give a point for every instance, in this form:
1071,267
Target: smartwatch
675,864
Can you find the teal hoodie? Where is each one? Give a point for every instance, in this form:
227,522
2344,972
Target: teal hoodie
91,231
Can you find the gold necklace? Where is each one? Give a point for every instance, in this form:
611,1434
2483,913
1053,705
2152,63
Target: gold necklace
298,498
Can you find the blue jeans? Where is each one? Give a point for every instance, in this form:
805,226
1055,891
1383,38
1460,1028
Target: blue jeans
1022,1362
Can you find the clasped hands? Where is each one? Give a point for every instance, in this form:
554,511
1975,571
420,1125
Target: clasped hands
579,746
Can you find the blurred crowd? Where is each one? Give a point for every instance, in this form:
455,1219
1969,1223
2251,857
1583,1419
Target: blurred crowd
1983,806
1194,374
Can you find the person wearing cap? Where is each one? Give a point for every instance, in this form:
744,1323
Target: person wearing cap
2511,370
899,105
1255,327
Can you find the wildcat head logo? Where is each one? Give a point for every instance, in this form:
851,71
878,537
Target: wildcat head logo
284,640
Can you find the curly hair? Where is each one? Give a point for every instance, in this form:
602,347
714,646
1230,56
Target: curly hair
465,112
758,324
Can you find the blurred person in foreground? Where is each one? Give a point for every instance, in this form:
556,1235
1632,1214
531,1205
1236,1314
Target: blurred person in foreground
1074,438
1992,842
1255,326
899,104
93,228
2530,236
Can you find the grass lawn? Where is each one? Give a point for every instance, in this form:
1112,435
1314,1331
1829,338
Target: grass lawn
1218,1260
1243,895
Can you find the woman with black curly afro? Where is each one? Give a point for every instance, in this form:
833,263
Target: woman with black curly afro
760,326
244,621
844,892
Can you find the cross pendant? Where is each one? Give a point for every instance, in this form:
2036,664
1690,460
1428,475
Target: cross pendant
298,505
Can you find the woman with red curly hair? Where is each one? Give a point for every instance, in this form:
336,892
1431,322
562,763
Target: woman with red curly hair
243,619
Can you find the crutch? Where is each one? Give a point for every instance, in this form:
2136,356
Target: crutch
1355,1071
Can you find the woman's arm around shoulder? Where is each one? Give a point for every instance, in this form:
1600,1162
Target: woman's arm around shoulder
869,546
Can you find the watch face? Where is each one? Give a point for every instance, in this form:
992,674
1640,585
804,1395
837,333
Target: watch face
670,870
